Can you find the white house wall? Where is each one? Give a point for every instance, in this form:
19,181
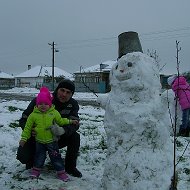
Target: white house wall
28,82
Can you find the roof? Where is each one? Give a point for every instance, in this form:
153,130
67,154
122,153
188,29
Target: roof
41,71
5,75
104,66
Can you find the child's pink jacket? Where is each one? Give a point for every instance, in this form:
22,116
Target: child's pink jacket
182,91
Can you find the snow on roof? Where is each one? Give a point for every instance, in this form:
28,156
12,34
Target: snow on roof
5,75
41,71
104,66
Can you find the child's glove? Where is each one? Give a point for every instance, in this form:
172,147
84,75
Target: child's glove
56,130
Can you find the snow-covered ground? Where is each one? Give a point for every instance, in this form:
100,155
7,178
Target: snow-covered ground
33,92
92,151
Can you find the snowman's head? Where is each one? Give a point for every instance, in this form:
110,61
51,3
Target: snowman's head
135,70
124,68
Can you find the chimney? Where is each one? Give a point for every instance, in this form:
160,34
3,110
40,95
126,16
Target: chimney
29,67
128,42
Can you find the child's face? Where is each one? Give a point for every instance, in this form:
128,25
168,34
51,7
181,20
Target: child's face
43,107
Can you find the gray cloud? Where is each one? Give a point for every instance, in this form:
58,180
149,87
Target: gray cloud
86,31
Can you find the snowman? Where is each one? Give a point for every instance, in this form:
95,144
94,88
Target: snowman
140,151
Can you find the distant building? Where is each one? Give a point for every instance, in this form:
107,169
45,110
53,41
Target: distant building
40,76
164,78
94,78
6,81
163,81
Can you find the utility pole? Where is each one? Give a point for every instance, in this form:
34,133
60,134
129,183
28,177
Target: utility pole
53,61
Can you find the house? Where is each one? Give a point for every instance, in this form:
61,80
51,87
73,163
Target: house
163,81
6,81
94,78
40,76
164,78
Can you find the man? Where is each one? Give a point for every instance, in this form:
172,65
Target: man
68,108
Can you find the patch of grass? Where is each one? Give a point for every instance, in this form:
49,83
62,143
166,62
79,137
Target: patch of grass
179,144
182,159
12,109
18,177
84,149
187,171
102,144
14,125
2,169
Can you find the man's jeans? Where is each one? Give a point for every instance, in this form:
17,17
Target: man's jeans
185,119
53,151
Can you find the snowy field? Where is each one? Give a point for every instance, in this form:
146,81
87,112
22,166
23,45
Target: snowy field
92,151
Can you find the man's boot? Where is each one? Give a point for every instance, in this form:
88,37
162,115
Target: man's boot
70,166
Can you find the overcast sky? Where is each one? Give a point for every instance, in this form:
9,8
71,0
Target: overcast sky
86,31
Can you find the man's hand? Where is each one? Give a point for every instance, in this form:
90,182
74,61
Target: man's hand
74,122
21,143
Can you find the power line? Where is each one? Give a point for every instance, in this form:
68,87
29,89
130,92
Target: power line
155,36
166,37
167,31
108,41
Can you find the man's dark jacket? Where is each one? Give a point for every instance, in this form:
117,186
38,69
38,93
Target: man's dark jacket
67,110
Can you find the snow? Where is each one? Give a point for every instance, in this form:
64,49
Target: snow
92,151
133,106
5,75
105,66
40,71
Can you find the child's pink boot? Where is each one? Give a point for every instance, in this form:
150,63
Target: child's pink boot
35,173
62,176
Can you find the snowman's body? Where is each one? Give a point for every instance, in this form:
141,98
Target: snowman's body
139,146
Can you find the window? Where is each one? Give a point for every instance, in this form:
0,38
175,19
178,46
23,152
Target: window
83,79
97,79
18,81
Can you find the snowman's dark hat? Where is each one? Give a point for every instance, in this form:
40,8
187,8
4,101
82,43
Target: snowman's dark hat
128,42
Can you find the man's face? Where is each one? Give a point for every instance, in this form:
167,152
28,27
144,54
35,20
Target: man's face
64,94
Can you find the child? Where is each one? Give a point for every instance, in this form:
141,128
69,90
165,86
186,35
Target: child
43,117
182,91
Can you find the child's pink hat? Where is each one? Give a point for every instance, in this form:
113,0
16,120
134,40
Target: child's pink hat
44,97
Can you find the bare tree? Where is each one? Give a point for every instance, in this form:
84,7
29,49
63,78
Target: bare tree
155,56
